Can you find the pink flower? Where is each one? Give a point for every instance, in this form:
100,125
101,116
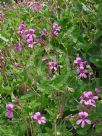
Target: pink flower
26,32
97,91
39,38
44,31
55,33
81,65
30,45
10,110
82,73
88,99
16,64
28,35
91,96
30,41
56,27
21,28
18,47
40,119
9,114
53,65
77,60
31,31
10,107
83,115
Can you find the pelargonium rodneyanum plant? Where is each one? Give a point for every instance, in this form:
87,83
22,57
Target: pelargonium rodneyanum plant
51,68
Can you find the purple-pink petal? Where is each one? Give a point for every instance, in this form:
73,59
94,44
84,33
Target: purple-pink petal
82,124
79,121
87,121
9,114
43,119
97,91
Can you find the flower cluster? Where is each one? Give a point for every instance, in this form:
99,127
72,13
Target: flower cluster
52,65
89,100
28,35
37,116
81,71
10,110
55,29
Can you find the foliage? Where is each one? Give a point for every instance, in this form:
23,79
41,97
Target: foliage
32,87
